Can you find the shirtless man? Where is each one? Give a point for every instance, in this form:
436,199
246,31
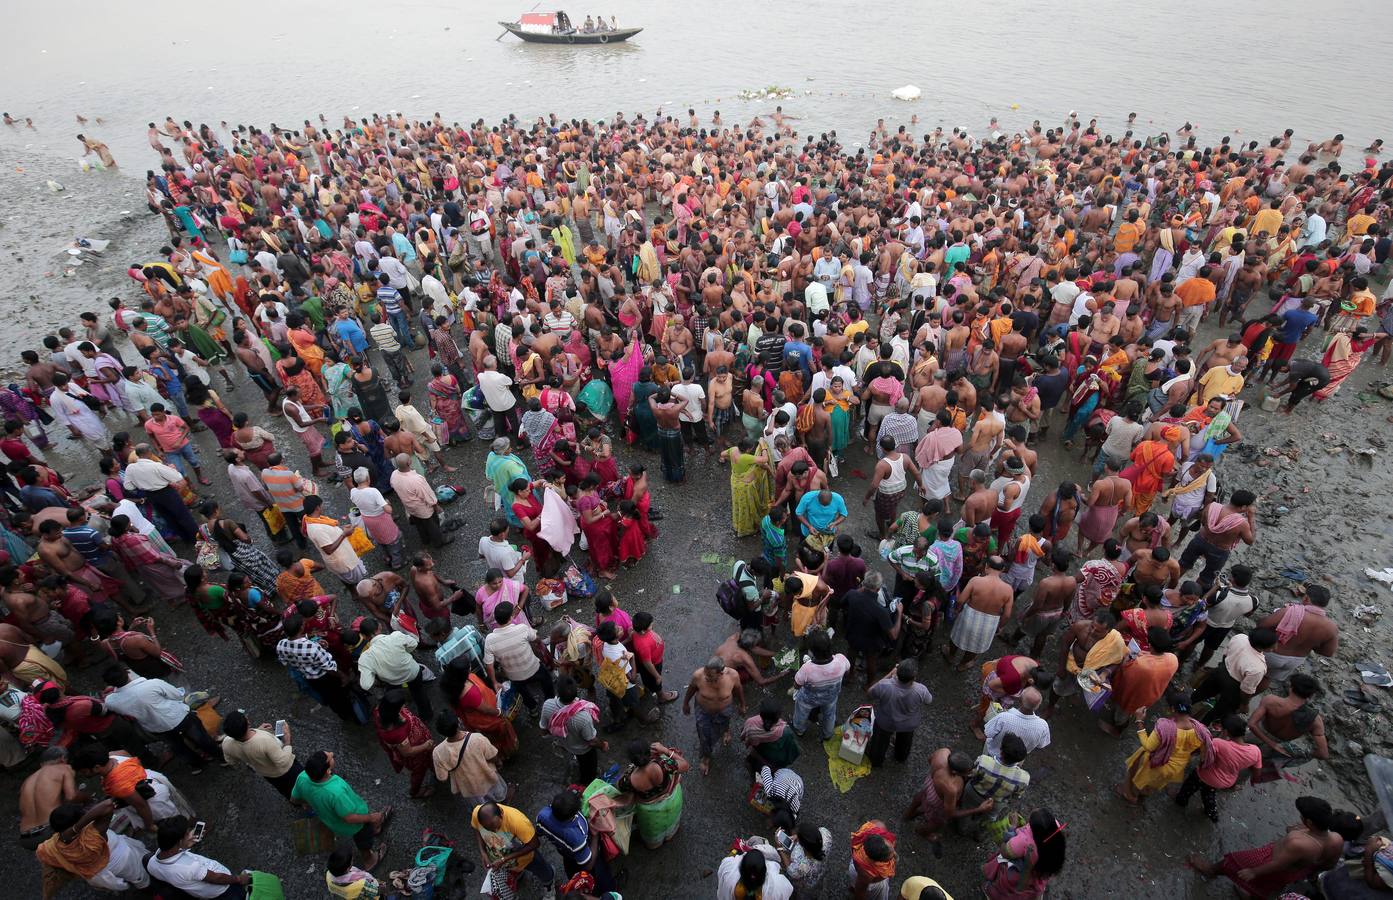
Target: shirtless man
1220,353
1074,643
720,401
1142,533
981,446
1222,526
928,400
1309,846
740,649
1103,328
1154,568
981,503
1014,445
719,357
714,686
1315,632
1108,494
1165,311
984,604
1047,602
54,783
1278,721
376,594
436,594
948,770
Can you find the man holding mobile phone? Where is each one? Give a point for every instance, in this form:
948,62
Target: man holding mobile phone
267,754
198,876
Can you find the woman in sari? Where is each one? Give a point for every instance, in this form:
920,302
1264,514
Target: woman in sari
1213,428
405,740
1165,752
1343,356
597,523
470,696
1022,867
539,427
654,778
208,406
623,374
1152,463
567,459
750,486
372,396
595,399
338,384
302,339
233,539
1088,390
527,506
444,392
554,400
253,440
599,453
635,489
161,572
296,374
838,405
369,434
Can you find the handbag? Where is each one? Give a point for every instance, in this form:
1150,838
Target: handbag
274,519
206,550
612,678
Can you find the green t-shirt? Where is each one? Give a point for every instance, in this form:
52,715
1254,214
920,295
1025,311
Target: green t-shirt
331,800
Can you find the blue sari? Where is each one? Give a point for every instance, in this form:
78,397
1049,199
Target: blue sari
644,419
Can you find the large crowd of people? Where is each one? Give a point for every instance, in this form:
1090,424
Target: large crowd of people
603,303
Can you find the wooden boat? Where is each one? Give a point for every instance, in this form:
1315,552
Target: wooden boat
557,28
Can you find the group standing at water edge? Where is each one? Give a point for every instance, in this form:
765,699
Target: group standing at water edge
591,294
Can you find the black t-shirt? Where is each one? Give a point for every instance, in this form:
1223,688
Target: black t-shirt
882,368
1301,369
1051,388
1026,321
770,348
867,623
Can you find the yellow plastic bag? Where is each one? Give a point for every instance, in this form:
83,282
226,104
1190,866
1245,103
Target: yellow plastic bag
612,678
360,542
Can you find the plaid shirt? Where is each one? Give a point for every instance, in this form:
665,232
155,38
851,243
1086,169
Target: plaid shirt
994,780
135,550
903,427
305,656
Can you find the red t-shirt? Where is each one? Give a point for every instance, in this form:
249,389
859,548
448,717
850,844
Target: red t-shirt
648,647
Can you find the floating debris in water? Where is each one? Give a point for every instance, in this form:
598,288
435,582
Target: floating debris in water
773,91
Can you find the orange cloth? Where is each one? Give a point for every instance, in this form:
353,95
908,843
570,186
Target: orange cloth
1196,291
120,782
1138,684
84,856
878,871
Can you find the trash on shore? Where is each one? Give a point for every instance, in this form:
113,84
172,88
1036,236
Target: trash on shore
54,186
1383,575
908,92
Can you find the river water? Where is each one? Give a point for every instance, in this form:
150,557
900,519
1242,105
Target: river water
1247,74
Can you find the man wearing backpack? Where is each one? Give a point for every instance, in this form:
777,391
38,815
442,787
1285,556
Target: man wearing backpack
1225,605
739,595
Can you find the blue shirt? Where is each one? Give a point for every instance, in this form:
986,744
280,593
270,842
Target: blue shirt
88,542
571,838
351,333
405,252
802,354
36,498
820,516
1294,325
390,298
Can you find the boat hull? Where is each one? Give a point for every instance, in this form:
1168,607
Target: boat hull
574,37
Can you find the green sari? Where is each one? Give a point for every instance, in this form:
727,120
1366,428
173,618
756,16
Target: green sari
750,492
644,419
338,382
841,428
658,812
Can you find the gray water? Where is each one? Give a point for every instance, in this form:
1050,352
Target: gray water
1248,70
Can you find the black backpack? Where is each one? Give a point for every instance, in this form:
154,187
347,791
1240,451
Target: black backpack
730,594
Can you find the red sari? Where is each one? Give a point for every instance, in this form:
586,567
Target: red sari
412,732
601,535
650,530
1152,461
632,544
528,506
496,728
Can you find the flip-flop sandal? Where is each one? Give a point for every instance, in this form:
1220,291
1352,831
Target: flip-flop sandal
387,817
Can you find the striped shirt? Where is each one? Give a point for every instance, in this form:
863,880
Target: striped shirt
88,542
390,299
385,337
284,487
784,785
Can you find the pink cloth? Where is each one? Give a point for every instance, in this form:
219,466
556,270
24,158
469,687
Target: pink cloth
1293,614
382,528
556,725
937,446
893,388
1219,523
1166,730
558,523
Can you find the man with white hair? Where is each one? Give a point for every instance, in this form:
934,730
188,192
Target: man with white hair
377,517
1022,721
422,505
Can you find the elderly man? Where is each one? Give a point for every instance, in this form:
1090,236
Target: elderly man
1022,721
901,425
415,424
502,468
386,659
497,389
161,484
419,499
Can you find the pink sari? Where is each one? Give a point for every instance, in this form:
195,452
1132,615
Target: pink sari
623,375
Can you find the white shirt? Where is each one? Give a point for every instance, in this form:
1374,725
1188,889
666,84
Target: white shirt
776,885
343,560
499,555
394,270
131,511
822,380
185,870
369,501
497,391
1031,729
693,398
192,366
388,660
815,296
1080,307
150,475
156,705
1168,347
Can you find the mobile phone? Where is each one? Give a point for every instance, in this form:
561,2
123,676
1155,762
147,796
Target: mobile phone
198,831
280,729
